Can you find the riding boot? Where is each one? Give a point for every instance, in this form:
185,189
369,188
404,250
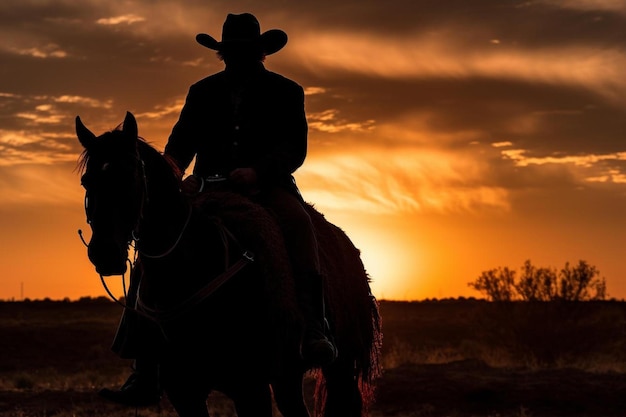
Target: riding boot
142,387
317,347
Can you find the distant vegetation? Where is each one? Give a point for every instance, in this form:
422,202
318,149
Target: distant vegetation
571,283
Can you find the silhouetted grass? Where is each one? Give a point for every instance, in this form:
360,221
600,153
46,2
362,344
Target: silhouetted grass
584,335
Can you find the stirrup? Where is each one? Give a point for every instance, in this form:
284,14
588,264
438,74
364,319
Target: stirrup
134,393
318,349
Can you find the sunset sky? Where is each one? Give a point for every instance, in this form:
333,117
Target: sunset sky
445,137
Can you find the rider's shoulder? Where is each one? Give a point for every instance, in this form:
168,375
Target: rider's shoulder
281,79
212,80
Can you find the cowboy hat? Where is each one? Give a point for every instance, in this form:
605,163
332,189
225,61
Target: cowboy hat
242,30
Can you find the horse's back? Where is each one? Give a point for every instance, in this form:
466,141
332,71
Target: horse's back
351,308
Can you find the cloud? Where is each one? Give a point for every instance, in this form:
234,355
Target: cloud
41,118
37,185
311,91
27,147
328,121
83,101
39,128
441,55
123,19
48,110
520,158
51,47
408,180
588,168
42,52
612,176
161,111
588,5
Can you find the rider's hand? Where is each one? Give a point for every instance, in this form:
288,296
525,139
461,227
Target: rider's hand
191,185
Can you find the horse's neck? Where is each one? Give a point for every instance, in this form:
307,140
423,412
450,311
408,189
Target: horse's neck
165,215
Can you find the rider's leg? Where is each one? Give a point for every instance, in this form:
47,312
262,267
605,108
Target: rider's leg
301,243
135,340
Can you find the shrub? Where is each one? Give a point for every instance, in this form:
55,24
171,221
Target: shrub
572,283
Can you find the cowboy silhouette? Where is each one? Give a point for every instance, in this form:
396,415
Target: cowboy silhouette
247,126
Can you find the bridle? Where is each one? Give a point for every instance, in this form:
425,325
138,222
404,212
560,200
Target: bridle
160,315
143,201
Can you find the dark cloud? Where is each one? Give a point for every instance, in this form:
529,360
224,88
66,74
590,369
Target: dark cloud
542,118
521,23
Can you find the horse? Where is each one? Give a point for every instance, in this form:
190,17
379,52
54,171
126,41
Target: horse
220,297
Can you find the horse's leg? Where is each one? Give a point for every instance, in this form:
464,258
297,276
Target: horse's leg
187,396
188,404
288,394
251,399
343,396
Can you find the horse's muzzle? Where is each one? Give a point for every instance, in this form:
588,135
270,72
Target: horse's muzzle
108,257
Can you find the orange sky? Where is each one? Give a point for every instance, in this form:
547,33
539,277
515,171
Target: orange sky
446,138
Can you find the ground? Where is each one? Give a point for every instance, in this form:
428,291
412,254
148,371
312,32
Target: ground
441,358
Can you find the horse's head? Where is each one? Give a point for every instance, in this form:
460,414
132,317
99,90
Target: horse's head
114,182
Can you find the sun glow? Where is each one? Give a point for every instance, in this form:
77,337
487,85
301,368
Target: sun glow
393,260
389,266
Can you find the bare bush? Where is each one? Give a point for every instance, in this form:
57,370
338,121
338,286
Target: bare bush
571,283
498,284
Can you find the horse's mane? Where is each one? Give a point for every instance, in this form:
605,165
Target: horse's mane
164,161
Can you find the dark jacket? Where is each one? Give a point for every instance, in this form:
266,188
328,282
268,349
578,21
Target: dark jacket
227,124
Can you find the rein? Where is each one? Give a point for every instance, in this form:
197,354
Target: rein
135,238
161,315
105,285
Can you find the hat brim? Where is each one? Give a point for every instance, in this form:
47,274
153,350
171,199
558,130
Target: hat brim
271,41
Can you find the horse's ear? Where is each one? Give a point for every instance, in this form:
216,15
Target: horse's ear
85,136
130,125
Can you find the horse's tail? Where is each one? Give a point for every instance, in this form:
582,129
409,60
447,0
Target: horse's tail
373,370
369,367
353,312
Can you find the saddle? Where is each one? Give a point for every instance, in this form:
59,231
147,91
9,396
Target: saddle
256,229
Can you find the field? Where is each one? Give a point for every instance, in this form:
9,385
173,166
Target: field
455,358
